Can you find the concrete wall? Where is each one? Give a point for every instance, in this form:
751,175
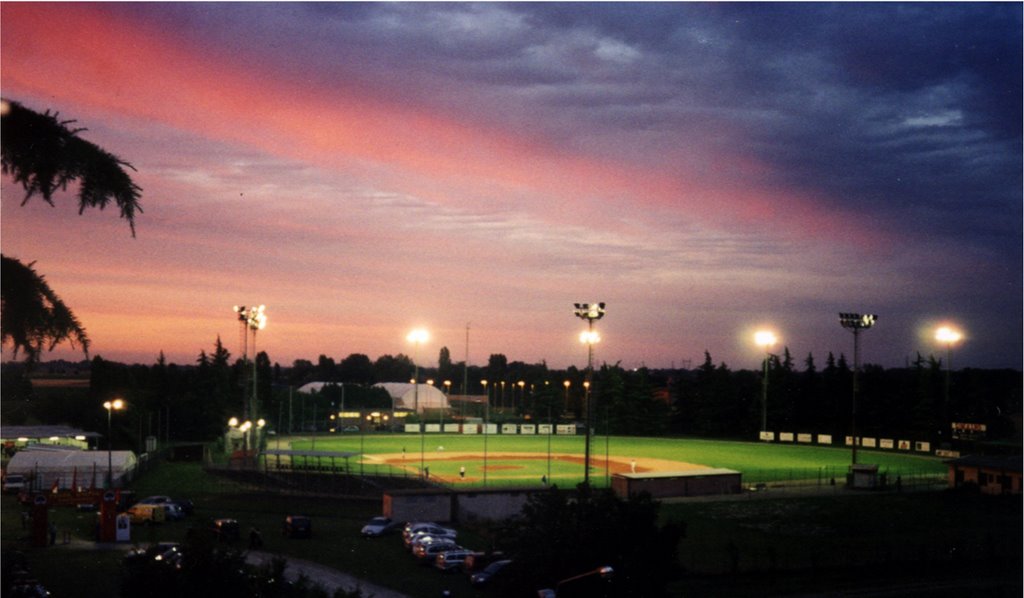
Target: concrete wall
443,506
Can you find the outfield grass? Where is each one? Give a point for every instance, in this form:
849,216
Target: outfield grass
758,462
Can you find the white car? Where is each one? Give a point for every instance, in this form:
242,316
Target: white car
429,532
378,526
14,483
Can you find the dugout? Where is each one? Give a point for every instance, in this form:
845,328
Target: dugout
671,484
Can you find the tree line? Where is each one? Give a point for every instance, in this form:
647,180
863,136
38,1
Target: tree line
194,401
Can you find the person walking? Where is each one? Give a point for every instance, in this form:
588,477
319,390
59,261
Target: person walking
462,472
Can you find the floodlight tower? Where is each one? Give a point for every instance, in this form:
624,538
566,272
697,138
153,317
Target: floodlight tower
250,318
589,312
855,323
765,339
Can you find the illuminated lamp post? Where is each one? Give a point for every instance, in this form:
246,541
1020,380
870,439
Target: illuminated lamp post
766,340
522,395
589,312
566,384
418,337
111,406
250,318
448,400
487,417
855,323
949,336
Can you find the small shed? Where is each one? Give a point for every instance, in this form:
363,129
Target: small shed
70,468
997,474
864,475
670,484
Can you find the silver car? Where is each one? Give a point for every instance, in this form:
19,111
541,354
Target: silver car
450,560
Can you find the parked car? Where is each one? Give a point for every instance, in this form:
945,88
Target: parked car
414,525
486,576
479,560
14,483
187,506
147,513
426,553
168,553
379,526
431,531
154,500
226,530
298,526
450,560
173,511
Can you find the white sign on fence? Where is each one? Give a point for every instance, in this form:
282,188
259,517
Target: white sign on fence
785,437
923,447
868,442
490,429
804,437
568,429
508,428
528,429
470,428
824,439
451,428
904,445
886,443
433,428
767,436
545,429
414,428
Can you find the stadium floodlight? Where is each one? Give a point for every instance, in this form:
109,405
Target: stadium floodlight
855,323
417,337
251,319
950,336
590,312
765,339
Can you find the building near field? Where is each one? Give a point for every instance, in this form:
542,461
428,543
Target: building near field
67,468
990,474
673,484
414,396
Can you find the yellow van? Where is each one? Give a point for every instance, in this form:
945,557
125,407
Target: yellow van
143,513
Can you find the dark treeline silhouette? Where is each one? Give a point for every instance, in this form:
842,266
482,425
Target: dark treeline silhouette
193,401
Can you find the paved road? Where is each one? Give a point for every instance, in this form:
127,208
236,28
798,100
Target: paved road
330,579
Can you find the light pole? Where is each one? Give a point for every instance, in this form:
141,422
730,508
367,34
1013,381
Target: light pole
589,312
417,338
251,318
855,323
522,396
111,406
487,417
766,340
448,400
566,384
950,336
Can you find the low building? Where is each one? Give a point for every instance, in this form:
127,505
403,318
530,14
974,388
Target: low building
65,468
673,484
997,474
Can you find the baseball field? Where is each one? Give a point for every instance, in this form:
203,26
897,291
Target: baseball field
472,460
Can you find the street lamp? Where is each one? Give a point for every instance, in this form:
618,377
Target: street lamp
418,337
111,406
855,323
566,384
589,312
950,336
765,339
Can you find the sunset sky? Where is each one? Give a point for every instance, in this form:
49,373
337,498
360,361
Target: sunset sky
365,169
